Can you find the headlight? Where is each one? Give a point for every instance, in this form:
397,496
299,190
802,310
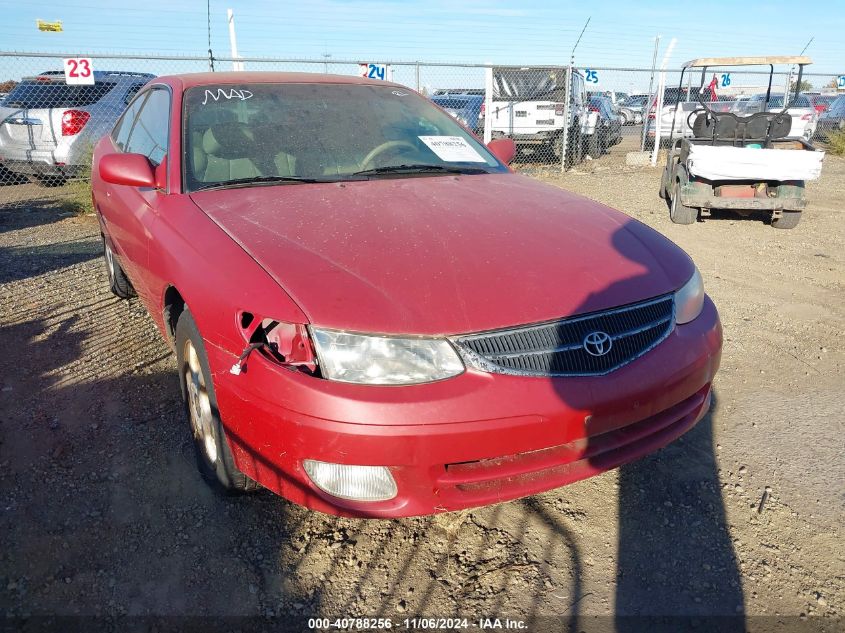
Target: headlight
384,360
689,300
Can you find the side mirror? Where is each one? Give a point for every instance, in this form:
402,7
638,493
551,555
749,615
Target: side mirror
133,170
503,148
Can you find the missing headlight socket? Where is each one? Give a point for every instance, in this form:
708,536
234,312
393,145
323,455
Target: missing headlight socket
286,344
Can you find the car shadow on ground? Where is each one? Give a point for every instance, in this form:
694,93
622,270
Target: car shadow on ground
22,262
105,513
676,561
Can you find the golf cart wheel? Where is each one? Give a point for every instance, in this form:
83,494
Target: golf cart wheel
789,220
680,213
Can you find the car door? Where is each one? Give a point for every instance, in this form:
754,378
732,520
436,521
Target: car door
131,215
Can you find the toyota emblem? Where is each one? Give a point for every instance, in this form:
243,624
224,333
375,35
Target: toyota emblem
597,343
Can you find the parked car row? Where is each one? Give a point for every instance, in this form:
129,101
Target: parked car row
679,109
528,105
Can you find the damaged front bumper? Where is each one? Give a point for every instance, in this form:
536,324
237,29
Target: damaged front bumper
468,441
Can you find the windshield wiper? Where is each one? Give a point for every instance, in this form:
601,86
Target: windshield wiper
419,169
260,180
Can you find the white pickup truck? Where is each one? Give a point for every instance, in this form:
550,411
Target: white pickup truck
528,105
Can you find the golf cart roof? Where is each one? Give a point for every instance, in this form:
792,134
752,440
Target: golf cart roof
748,61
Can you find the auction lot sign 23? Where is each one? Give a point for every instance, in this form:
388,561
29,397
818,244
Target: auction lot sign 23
79,71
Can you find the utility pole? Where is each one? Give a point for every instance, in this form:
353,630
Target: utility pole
230,17
326,56
567,108
208,17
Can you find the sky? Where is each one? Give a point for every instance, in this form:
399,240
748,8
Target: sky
531,32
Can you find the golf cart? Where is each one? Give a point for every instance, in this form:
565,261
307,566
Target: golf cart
744,163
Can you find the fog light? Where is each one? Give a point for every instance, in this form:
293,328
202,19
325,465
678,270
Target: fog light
358,483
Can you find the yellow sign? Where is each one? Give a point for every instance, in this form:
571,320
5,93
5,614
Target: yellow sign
55,27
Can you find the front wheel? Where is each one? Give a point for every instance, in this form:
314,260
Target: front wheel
680,213
214,457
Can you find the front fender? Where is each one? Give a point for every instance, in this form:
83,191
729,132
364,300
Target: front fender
216,277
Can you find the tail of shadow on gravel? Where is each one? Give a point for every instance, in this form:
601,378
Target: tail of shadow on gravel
118,529
676,565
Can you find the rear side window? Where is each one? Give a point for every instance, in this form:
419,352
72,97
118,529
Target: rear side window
124,126
48,94
150,132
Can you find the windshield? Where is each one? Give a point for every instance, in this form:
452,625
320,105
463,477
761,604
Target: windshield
48,94
319,131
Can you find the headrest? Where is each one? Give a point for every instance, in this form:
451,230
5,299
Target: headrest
229,141
211,116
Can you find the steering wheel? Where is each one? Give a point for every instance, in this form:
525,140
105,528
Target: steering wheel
381,149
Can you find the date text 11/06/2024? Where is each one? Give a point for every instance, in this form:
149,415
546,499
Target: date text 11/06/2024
409,624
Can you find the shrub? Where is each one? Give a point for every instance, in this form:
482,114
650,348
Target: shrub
836,143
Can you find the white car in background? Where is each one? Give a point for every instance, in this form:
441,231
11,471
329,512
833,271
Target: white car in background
805,118
804,115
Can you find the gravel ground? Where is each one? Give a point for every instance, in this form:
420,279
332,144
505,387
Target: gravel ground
102,512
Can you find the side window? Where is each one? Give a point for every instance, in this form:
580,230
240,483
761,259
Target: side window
120,134
150,132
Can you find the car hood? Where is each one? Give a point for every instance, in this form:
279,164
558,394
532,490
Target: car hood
445,254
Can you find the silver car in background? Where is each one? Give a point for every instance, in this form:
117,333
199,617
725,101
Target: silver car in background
47,127
804,115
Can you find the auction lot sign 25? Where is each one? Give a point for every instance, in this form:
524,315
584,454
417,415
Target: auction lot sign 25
79,71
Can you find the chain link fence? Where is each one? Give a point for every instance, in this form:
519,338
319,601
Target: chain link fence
557,116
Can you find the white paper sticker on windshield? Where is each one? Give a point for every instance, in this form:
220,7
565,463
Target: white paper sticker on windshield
453,149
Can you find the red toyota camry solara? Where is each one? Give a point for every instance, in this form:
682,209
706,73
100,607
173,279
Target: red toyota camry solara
372,315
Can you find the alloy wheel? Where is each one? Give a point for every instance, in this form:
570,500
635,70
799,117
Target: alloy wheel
199,405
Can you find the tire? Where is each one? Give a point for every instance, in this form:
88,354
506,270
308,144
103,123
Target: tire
680,213
594,145
118,281
213,454
624,116
789,220
575,151
52,181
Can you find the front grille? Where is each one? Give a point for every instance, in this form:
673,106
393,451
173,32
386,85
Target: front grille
557,348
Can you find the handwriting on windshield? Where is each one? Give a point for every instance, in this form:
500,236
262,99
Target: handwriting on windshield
220,93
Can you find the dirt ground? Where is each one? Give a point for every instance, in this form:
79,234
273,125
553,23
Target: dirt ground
102,512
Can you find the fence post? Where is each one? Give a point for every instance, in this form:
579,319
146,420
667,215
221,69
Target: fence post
417,73
567,114
488,104
647,107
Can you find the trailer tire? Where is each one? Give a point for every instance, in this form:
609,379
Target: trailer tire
680,213
789,220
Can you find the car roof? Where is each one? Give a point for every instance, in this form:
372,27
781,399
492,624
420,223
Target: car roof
192,80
